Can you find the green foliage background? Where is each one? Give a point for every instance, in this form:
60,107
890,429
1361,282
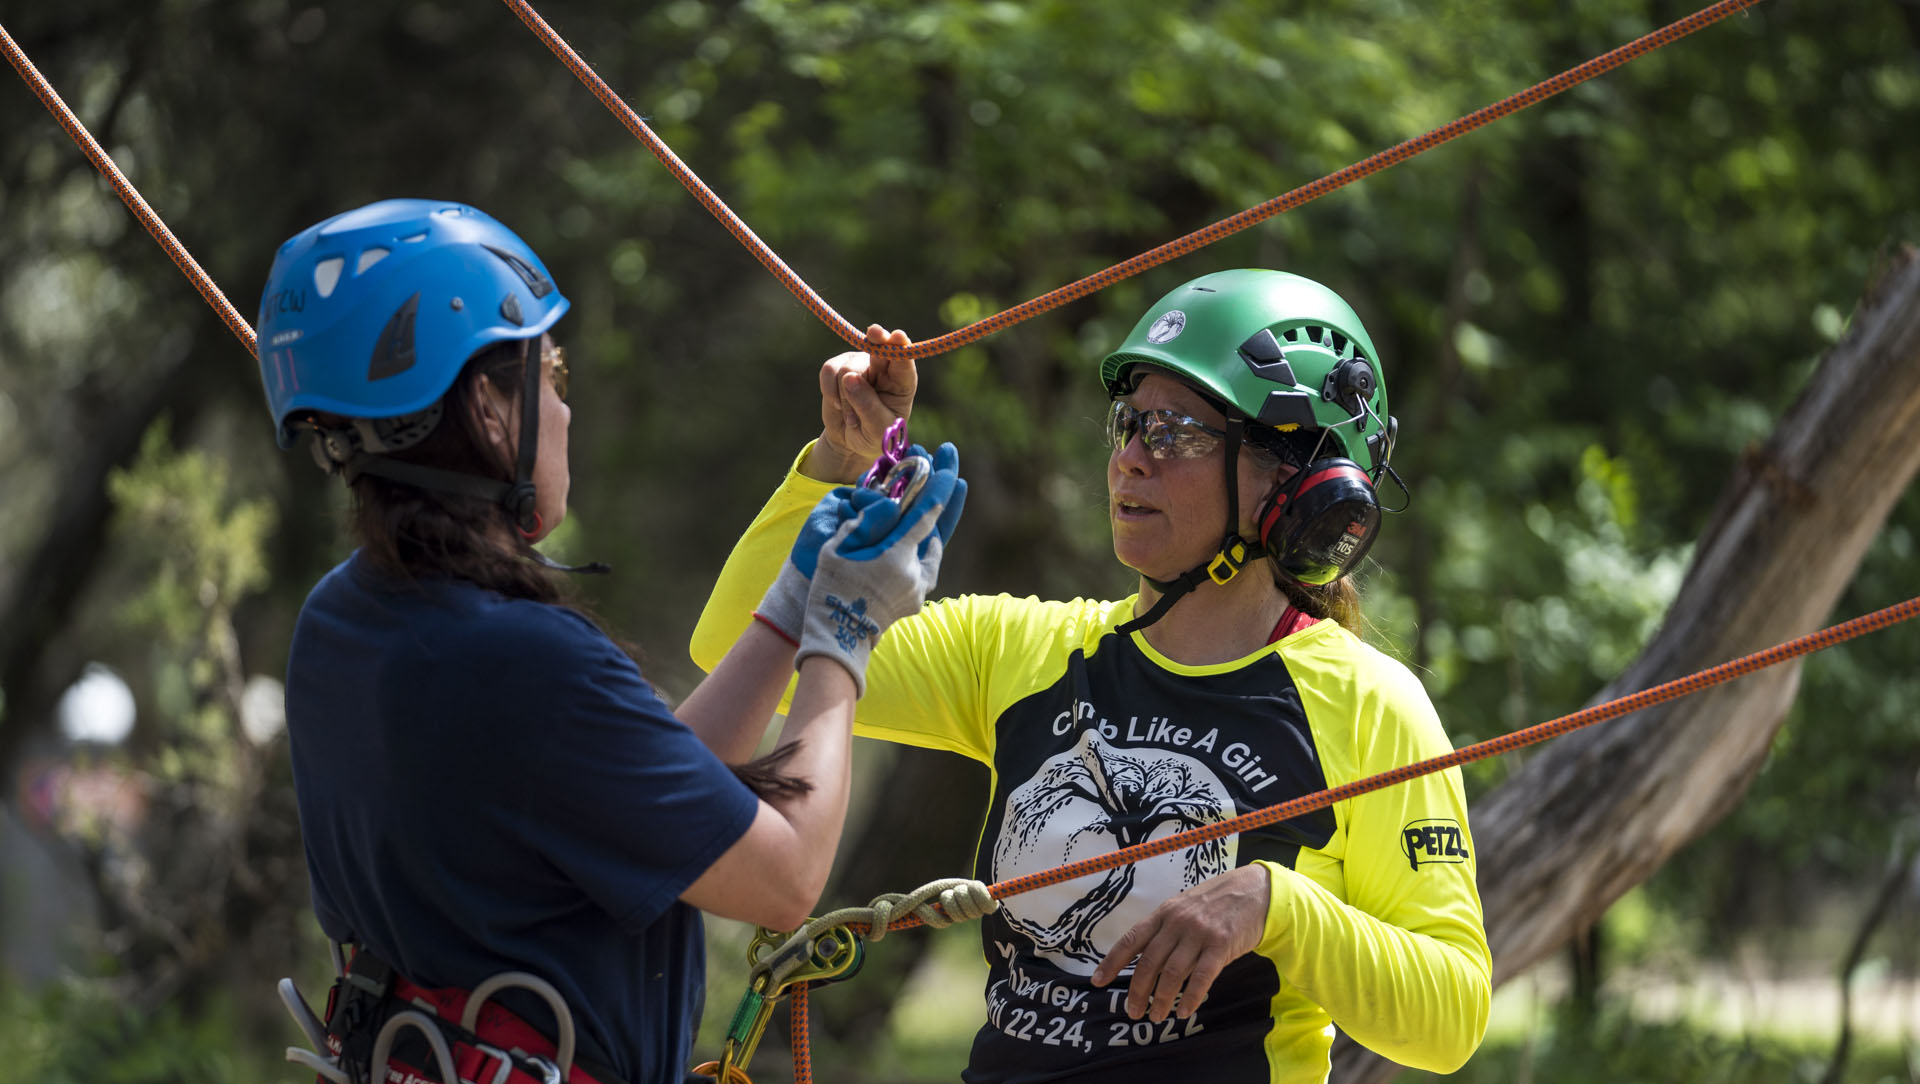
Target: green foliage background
1588,312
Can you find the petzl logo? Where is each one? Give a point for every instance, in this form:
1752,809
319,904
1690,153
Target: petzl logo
1168,327
1433,840
850,622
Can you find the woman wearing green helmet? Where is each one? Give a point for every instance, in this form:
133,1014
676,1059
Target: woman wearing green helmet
1248,422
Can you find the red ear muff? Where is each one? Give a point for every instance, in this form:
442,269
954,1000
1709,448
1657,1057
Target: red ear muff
1319,524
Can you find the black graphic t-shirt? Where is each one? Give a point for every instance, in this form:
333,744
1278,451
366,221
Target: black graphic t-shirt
1096,742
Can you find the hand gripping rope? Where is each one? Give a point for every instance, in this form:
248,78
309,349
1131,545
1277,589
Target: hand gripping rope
963,900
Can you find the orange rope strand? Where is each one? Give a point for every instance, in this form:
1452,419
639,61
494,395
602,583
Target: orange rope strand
128,195
1645,698
797,1026
980,329
687,178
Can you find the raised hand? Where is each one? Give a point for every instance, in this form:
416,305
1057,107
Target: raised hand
860,395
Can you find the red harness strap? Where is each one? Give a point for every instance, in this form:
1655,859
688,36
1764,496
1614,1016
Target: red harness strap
502,1048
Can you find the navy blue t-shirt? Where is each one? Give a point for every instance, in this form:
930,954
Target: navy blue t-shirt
489,784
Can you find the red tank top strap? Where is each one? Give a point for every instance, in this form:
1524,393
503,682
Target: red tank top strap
1290,622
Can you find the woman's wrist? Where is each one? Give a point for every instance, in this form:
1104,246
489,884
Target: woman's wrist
827,462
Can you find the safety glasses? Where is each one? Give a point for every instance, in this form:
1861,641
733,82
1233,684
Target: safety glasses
558,374
1164,433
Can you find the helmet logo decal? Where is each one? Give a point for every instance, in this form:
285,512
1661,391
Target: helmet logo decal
281,301
1168,327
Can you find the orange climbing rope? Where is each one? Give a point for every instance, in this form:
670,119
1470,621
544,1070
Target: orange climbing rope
999,321
1645,698
1273,814
128,194
838,324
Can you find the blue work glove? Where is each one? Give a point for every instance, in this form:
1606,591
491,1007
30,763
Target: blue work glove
785,603
784,606
879,565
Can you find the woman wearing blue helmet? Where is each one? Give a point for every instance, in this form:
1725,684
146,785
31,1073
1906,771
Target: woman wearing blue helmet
486,782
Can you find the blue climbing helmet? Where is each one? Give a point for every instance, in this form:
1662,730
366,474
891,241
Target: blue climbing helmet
372,313
369,317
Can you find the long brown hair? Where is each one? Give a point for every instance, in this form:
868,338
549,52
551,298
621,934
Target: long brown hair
1339,600
408,533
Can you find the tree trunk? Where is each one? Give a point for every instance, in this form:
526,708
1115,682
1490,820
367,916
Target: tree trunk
1597,812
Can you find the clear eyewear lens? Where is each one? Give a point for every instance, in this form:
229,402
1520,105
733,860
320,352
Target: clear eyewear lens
1164,434
559,373
1122,420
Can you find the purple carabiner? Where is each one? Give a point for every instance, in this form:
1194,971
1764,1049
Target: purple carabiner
893,446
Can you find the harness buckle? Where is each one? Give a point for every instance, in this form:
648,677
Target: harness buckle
549,1072
1226,564
499,1075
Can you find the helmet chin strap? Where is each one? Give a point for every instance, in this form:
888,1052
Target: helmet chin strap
1224,565
518,497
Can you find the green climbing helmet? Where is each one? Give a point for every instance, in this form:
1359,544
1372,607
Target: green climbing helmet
1282,350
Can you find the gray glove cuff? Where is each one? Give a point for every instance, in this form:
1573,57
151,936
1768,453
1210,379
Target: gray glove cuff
784,606
843,632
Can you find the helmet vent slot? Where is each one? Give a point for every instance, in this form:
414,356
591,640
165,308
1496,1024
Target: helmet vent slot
326,274
529,274
369,257
393,353
413,238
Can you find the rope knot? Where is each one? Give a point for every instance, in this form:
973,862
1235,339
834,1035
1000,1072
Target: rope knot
939,904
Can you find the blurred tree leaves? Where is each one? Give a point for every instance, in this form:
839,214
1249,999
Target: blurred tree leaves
1587,311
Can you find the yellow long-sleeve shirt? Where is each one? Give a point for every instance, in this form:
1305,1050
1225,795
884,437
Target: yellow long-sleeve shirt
1094,741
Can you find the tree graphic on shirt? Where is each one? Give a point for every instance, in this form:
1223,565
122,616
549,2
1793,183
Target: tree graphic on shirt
1125,795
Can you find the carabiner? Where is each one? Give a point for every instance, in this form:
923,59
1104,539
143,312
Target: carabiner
893,447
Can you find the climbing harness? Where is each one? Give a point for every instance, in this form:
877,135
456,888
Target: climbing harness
468,1037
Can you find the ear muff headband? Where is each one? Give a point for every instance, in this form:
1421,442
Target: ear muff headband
1319,524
